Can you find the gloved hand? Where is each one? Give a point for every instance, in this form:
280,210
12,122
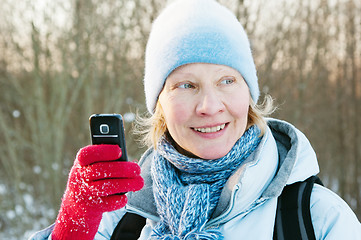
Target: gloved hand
93,184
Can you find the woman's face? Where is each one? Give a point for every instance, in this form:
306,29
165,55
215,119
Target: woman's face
205,108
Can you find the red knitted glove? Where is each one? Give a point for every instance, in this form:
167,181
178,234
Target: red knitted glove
93,184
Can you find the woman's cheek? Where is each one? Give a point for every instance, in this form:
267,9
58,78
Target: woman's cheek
176,110
181,111
238,108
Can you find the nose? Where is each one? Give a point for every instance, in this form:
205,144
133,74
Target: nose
209,103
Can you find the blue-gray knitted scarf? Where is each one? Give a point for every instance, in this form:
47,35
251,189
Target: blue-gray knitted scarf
187,190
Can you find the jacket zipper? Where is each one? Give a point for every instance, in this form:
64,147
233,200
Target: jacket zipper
214,223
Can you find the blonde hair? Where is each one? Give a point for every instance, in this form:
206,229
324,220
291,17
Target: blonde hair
152,127
258,112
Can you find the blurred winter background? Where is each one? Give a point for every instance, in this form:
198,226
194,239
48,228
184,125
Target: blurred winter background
62,60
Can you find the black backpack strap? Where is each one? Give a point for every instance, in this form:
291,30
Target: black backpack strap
129,227
293,217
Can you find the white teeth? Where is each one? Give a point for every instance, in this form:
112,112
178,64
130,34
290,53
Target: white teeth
210,130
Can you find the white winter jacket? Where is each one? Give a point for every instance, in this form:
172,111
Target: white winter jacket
248,202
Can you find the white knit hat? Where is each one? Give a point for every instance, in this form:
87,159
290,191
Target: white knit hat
196,31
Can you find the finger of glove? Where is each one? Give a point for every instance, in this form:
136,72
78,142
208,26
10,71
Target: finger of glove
115,169
98,153
113,202
113,186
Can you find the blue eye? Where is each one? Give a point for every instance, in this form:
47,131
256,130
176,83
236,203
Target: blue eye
186,86
228,81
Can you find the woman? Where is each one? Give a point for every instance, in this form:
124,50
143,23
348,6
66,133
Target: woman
216,165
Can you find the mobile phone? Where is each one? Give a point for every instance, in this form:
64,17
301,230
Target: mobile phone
108,129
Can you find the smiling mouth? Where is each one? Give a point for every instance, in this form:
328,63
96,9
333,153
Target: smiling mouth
210,129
